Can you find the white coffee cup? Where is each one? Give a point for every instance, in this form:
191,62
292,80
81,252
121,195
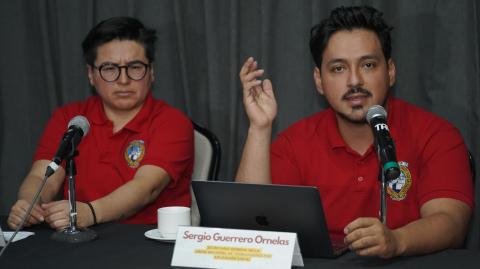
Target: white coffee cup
169,218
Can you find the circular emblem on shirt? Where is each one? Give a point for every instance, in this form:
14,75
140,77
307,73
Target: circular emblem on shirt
398,188
134,153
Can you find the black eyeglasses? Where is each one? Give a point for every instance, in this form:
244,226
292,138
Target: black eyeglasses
110,72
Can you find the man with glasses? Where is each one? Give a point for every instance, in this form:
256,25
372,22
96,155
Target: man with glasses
138,154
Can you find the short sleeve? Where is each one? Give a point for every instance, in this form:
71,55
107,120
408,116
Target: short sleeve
51,136
171,145
445,171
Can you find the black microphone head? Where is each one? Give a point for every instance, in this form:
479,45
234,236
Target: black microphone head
80,122
376,111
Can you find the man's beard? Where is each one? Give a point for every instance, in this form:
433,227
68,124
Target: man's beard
366,93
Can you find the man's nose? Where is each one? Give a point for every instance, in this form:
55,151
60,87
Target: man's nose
123,78
355,78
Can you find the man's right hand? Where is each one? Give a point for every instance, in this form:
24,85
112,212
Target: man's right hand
18,211
258,98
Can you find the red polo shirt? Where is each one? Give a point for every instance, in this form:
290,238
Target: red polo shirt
430,151
158,135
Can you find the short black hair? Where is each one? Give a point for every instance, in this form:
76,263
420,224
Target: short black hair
350,18
121,28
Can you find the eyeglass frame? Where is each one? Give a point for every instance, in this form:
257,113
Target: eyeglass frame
120,67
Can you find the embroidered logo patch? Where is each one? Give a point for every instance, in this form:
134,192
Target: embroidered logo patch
134,153
398,188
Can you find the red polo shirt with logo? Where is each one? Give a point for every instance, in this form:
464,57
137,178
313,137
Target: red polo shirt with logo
430,151
158,135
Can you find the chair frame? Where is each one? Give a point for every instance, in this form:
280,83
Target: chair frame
216,151
473,169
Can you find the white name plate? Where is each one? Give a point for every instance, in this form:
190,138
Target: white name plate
234,249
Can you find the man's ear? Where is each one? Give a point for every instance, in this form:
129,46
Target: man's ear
152,73
392,72
90,74
317,77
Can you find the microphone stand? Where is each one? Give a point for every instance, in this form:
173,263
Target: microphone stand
384,177
73,234
383,195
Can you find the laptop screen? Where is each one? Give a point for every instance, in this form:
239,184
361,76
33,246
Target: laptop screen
266,207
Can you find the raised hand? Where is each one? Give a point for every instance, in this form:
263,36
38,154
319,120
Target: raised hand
258,98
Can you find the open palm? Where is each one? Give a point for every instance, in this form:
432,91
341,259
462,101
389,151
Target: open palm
258,97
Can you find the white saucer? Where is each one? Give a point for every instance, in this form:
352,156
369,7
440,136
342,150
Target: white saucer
155,234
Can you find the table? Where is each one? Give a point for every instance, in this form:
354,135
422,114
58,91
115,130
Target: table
125,246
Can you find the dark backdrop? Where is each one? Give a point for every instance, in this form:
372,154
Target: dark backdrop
201,47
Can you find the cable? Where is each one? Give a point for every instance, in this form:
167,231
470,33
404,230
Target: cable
37,195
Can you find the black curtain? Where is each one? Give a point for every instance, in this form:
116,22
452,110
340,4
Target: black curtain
201,47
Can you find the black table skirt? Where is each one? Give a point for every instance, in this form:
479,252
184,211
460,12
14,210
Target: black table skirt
125,246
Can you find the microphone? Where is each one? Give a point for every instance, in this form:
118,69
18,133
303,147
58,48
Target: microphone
77,128
376,117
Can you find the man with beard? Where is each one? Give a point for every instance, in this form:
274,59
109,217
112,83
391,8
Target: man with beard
430,205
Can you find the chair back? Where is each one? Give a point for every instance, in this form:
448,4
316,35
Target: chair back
207,162
207,154
472,240
472,166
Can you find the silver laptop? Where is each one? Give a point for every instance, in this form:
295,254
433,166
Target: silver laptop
268,207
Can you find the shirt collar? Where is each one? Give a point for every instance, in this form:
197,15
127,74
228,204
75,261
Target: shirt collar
336,140
136,123
393,120
97,113
334,137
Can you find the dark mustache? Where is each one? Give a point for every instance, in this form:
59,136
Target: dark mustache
356,90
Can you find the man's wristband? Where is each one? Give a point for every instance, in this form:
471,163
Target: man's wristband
93,213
